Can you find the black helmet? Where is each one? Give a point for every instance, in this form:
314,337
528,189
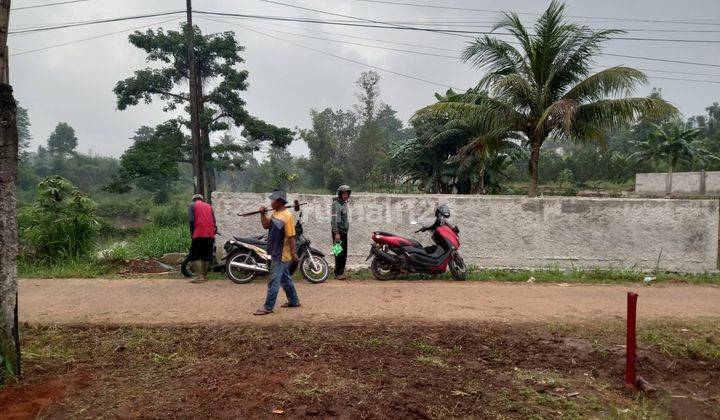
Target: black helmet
343,188
442,210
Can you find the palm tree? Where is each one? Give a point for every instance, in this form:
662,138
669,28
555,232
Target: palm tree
546,87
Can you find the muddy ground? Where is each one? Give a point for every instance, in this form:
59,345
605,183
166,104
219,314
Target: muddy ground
371,370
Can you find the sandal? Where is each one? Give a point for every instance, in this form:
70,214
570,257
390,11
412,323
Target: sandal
262,311
289,305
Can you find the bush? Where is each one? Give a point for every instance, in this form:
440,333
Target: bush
60,222
170,215
154,241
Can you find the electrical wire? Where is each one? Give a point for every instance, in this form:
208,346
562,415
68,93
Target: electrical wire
252,29
467,9
303,20
454,32
93,22
91,38
456,51
37,6
443,85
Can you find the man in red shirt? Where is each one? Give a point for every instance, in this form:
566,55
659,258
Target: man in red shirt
202,229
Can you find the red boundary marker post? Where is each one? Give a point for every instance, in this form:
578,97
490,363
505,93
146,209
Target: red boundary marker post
630,377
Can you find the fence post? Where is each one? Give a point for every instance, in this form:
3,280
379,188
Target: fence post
630,351
702,182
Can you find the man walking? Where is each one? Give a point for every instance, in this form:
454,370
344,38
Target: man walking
281,247
340,225
202,229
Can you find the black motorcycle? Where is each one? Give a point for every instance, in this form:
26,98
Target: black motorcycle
247,257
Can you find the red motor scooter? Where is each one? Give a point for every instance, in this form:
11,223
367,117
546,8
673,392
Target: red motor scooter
393,254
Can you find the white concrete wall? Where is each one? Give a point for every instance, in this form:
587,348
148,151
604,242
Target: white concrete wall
683,184
515,232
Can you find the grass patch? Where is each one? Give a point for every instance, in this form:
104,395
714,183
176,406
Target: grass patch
155,241
696,341
559,275
64,268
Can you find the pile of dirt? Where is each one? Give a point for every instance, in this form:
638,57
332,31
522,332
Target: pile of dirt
143,267
367,371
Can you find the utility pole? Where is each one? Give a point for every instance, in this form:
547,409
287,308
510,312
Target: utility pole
9,337
197,146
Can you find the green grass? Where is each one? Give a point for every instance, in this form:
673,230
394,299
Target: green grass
674,339
72,268
155,241
558,275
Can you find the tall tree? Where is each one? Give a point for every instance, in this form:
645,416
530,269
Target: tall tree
218,58
151,162
546,87
329,141
62,141
9,339
24,136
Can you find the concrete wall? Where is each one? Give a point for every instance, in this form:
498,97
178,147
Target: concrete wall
504,231
683,184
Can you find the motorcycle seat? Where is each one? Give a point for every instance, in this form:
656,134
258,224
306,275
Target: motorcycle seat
413,242
253,240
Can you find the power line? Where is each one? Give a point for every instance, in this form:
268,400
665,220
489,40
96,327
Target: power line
252,29
694,63
91,38
684,80
468,9
457,52
454,57
454,32
37,6
92,22
316,21
443,85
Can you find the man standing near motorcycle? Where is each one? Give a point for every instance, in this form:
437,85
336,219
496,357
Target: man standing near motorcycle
281,247
202,229
340,225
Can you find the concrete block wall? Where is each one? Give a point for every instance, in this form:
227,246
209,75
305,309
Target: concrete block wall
688,184
517,232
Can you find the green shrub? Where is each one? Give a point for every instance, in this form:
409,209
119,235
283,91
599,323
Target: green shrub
154,241
60,222
170,215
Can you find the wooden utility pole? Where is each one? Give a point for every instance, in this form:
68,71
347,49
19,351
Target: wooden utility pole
197,146
9,339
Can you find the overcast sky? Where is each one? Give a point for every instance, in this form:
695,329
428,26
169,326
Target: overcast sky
74,83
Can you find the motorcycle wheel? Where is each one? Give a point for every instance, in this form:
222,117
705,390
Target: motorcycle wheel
318,273
381,270
186,268
458,269
239,275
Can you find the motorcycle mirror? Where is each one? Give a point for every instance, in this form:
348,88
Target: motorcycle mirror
297,205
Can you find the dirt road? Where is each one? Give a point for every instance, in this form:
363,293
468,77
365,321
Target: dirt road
149,301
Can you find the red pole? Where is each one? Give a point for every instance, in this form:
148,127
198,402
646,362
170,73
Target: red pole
630,349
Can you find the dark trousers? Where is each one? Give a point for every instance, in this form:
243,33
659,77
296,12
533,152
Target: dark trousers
341,258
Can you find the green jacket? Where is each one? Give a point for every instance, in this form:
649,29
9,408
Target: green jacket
340,221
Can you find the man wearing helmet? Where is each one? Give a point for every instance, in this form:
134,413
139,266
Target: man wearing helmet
201,219
340,225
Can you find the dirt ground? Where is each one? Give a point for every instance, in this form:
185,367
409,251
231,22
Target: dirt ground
146,348
468,370
155,301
